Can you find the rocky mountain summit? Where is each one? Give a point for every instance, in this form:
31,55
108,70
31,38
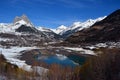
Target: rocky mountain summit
23,19
23,33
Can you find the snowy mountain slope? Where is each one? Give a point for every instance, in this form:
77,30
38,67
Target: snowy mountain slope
44,29
77,26
49,33
7,27
60,29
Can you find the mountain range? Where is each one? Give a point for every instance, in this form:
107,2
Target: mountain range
24,25
76,26
23,32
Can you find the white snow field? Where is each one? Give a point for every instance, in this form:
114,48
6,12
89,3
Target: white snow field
12,54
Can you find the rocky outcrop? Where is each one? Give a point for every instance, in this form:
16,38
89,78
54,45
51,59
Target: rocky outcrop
23,17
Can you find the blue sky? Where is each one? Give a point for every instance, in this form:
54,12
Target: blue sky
52,13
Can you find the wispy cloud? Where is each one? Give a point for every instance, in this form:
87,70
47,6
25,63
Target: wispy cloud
64,3
72,3
67,3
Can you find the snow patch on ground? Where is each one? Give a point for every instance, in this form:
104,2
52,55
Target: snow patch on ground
40,70
6,39
83,51
12,54
101,45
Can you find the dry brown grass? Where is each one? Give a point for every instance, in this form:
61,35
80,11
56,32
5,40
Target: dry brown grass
105,66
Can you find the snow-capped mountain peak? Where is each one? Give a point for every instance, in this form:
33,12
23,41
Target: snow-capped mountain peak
17,23
23,20
60,29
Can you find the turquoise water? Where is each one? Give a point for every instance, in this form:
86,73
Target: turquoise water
71,60
78,59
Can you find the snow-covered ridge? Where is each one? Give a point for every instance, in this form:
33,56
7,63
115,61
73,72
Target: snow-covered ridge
5,27
44,29
85,24
77,26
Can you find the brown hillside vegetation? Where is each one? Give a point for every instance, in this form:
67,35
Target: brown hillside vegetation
12,72
105,66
